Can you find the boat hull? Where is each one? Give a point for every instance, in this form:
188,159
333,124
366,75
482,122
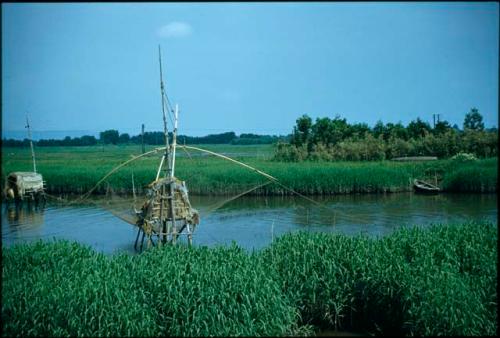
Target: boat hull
425,188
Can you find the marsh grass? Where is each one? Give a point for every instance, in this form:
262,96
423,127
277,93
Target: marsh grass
436,281
66,289
440,280
77,169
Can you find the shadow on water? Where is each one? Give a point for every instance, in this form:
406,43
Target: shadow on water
253,222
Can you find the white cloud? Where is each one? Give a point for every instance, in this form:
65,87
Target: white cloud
175,29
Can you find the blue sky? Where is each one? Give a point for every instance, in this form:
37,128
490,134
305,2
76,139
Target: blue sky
246,67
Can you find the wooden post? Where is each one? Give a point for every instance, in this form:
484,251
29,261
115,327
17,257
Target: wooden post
165,129
174,139
272,232
166,156
159,168
133,189
137,238
172,169
165,231
142,139
190,235
31,144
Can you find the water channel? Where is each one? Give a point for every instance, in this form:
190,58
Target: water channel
251,222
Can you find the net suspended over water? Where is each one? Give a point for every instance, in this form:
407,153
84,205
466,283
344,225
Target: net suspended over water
158,195
224,177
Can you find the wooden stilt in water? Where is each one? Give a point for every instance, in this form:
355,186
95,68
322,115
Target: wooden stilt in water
142,239
190,234
172,169
137,238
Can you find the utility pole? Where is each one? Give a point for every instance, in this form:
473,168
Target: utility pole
434,119
31,143
142,138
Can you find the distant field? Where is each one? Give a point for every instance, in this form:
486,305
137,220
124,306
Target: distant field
118,151
77,169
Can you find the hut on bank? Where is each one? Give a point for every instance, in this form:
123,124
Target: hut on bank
24,185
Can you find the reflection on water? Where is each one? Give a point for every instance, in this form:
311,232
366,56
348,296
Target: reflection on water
23,220
252,222
17,214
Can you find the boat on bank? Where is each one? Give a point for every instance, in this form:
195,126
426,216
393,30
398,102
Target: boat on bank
425,187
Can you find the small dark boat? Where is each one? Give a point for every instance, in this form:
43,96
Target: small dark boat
424,187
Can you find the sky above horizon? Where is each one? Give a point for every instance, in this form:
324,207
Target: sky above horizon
246,67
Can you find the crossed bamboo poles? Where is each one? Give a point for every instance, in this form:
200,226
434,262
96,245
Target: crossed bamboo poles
271,179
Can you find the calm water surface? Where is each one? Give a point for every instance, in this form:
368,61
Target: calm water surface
252,222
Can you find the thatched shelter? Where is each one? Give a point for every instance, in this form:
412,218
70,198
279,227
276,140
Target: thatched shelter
21,185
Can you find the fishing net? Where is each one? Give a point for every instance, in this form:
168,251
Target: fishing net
214,182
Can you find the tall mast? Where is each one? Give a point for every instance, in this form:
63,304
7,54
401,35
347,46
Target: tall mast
31,143
166,156
169,172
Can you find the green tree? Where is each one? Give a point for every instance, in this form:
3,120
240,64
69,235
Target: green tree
399,131
124,138
418,128
302,130
441,127
109,136
358,130
378,129
330,132
473,120
322,131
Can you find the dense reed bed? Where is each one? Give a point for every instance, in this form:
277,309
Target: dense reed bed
77,169
436,281
65,289
471,177
440,280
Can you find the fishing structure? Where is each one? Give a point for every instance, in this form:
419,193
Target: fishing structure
166,212
24,185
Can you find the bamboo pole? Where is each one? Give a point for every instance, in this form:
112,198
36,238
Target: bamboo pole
31,143
159,168
172,168
115,169
142,139
232,160
164,227
165,129
174,140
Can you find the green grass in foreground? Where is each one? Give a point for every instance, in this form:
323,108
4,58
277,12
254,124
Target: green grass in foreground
77,169
440,280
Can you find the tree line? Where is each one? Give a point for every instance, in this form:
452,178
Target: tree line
336,139
113,136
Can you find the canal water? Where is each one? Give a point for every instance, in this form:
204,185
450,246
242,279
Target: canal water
251,222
